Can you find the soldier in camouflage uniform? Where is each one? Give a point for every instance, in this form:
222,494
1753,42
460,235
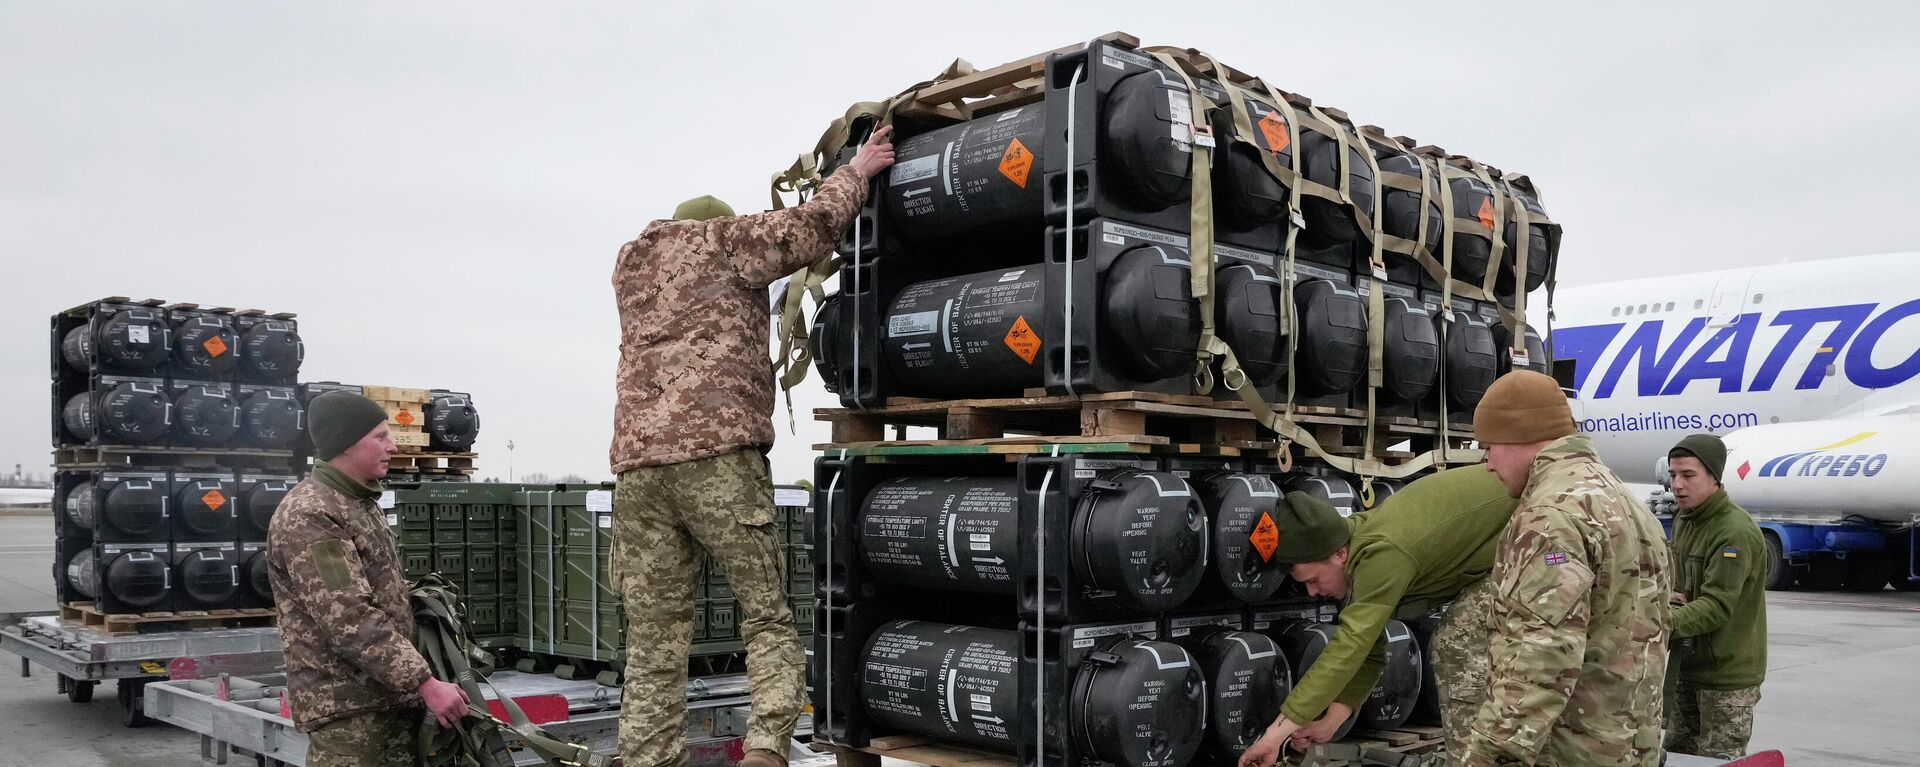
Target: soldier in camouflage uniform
354,680
693,417
1431,542
1579,641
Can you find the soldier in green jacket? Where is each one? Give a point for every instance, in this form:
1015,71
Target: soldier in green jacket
1720,612
1432,542
1578,649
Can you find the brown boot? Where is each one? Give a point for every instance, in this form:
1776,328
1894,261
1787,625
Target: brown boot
761,757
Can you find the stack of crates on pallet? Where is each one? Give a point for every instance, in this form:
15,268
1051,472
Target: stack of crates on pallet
565,607
465,533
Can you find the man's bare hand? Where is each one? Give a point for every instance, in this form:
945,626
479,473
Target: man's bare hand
445,700
1265,751
1323,729
876,154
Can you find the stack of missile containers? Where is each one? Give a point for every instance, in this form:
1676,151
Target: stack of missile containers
1077,569
175,434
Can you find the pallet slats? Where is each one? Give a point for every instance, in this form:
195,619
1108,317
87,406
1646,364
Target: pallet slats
121,624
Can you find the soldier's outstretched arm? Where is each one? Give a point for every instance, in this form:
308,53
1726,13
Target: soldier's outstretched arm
327,576
1541,612
1727,567
1347,669
764,247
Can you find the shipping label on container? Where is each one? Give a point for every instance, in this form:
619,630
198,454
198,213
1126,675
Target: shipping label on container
1119,59
914,324
1310,271
790,496
1237,254
1265,619
1180,627
599,501
1088,636
1088,468
916,169
386,499
1118,234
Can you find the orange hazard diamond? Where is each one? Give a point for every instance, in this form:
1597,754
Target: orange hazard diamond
214,499
1016,162
1486,212
1265,536
404,418
1275,129
1023,341
215,346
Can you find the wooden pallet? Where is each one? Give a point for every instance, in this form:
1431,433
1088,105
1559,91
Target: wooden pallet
123,456
987,91
432,463
912,748
1145,420
87,615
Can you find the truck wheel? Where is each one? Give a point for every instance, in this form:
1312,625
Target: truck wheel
132,696
77,691
1824,574
1780,573
1866,573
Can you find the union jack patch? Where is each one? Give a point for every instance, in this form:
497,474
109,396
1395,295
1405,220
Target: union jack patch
1556,558
1730,552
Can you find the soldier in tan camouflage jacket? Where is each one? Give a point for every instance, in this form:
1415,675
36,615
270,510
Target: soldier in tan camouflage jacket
1579,648
693,417
355,682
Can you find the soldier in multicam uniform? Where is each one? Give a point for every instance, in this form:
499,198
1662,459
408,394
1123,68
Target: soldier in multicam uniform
354,680
1432,542
1720,613
692,422
1579,646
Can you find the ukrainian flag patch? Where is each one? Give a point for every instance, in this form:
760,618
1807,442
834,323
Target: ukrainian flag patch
1730,552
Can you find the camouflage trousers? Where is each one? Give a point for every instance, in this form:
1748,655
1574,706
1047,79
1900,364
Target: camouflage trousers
1711,723
377,739
664,518
1460,661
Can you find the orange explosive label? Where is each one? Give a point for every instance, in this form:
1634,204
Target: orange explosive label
1275,129
404,418
214,499
1023,341
1265,536
215,346
1016,162
1486,213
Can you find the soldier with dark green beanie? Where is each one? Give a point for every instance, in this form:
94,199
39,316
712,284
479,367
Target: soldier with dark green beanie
355,683
1719,655
1431,543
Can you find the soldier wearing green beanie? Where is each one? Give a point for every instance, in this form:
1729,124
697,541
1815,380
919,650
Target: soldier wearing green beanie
1720,608
355,683
1431,543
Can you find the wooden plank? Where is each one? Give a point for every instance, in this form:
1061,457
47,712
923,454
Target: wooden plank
890,742
974,423
1111,422
983,82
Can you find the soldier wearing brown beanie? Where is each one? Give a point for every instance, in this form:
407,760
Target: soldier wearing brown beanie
1579,647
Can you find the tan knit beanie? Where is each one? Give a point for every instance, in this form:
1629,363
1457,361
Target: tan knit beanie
1521,408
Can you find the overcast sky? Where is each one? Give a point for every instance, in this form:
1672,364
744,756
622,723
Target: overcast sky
439,189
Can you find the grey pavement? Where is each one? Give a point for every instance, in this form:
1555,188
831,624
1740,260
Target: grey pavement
1844,673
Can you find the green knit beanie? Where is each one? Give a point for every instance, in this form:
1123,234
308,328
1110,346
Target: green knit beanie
337,419
702,208
1706,447
1310,530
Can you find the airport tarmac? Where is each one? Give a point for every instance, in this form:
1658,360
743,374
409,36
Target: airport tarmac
1842,680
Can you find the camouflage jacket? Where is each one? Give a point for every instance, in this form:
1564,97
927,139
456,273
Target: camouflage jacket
1579,650
345,622
695,379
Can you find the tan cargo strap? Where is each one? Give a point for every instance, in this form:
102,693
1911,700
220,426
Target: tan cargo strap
802,179
1200,220
1498,252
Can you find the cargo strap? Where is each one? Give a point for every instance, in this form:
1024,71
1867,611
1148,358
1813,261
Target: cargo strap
801,179
1200,230
441,635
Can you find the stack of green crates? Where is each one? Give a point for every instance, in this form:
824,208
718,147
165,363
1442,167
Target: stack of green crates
532,563
465,532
